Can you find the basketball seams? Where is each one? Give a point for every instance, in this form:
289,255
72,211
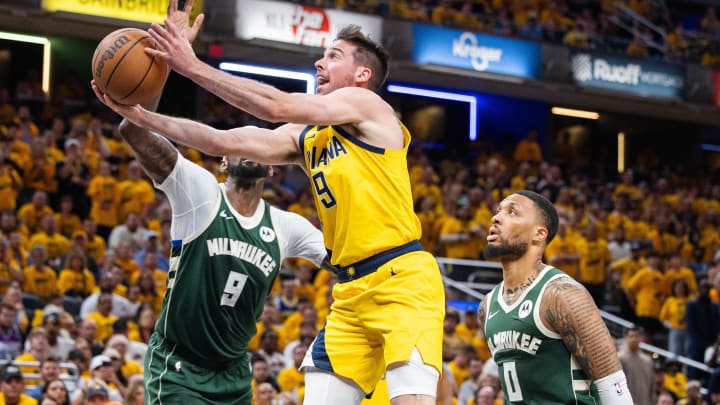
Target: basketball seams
144,76
98,54
119,62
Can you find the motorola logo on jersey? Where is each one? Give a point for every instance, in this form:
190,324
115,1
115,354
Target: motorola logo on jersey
525,308
267,234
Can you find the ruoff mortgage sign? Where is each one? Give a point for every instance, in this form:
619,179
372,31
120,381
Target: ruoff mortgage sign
630,75
298,24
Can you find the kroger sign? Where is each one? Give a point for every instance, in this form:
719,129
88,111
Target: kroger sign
469,50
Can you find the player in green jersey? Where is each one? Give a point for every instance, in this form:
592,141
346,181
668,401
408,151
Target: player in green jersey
542,327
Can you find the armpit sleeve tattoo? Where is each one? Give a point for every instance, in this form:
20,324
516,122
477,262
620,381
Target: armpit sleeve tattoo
570,311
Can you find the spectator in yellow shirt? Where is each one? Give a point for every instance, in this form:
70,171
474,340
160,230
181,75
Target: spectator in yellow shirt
563,252
40,279
672,315
95,244
136,193
39,170
462,238
67,221
529,150
291,379
9,269
104,193
103,318
12,386
10,181
31,214
75,279
645,290
595,258
55,244
37,352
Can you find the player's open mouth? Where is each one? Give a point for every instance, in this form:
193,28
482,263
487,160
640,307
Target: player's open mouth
492,234
321,80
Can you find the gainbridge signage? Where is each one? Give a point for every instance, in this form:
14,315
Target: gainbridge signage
132,10
298,24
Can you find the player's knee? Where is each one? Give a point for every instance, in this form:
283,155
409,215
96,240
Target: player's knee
412,378
324,388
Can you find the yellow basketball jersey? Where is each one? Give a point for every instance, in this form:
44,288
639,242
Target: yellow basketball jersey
362,193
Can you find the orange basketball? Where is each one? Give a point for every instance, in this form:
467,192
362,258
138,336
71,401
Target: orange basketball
123,70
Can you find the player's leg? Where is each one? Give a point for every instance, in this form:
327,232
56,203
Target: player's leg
322,387
413,382
412,298
344,362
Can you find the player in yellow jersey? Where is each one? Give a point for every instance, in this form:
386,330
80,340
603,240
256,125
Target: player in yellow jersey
388,309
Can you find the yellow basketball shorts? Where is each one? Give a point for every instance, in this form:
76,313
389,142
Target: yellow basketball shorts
376,320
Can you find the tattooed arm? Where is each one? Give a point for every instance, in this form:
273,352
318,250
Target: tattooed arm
568,309
482,313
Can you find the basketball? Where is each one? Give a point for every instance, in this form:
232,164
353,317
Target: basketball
123,70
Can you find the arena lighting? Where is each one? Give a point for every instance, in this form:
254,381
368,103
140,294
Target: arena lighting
31,39
570,112
621,152
443,95
272,72
710,147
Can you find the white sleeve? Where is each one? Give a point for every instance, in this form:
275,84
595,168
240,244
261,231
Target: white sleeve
298,237
193,195
613,389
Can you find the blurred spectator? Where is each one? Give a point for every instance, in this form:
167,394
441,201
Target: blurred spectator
59,346
136,195
37,352
103,317
637,47
270,351
467,388
595,257
532,28
55,244
672,314
291,379
57,391
576,37
528,149
135,391
32,213
261,374
13,387
121,307
638,367
131,232
40,280
674,379
104,193
703,325
73,176
10,337
564,251
49,372
646,293
66,219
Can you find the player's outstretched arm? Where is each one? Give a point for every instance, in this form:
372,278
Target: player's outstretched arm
278,146
568,309
347,105
154,153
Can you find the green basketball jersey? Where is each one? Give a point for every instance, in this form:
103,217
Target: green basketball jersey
218,282
533,364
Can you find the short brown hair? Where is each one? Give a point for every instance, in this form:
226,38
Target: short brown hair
368,53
